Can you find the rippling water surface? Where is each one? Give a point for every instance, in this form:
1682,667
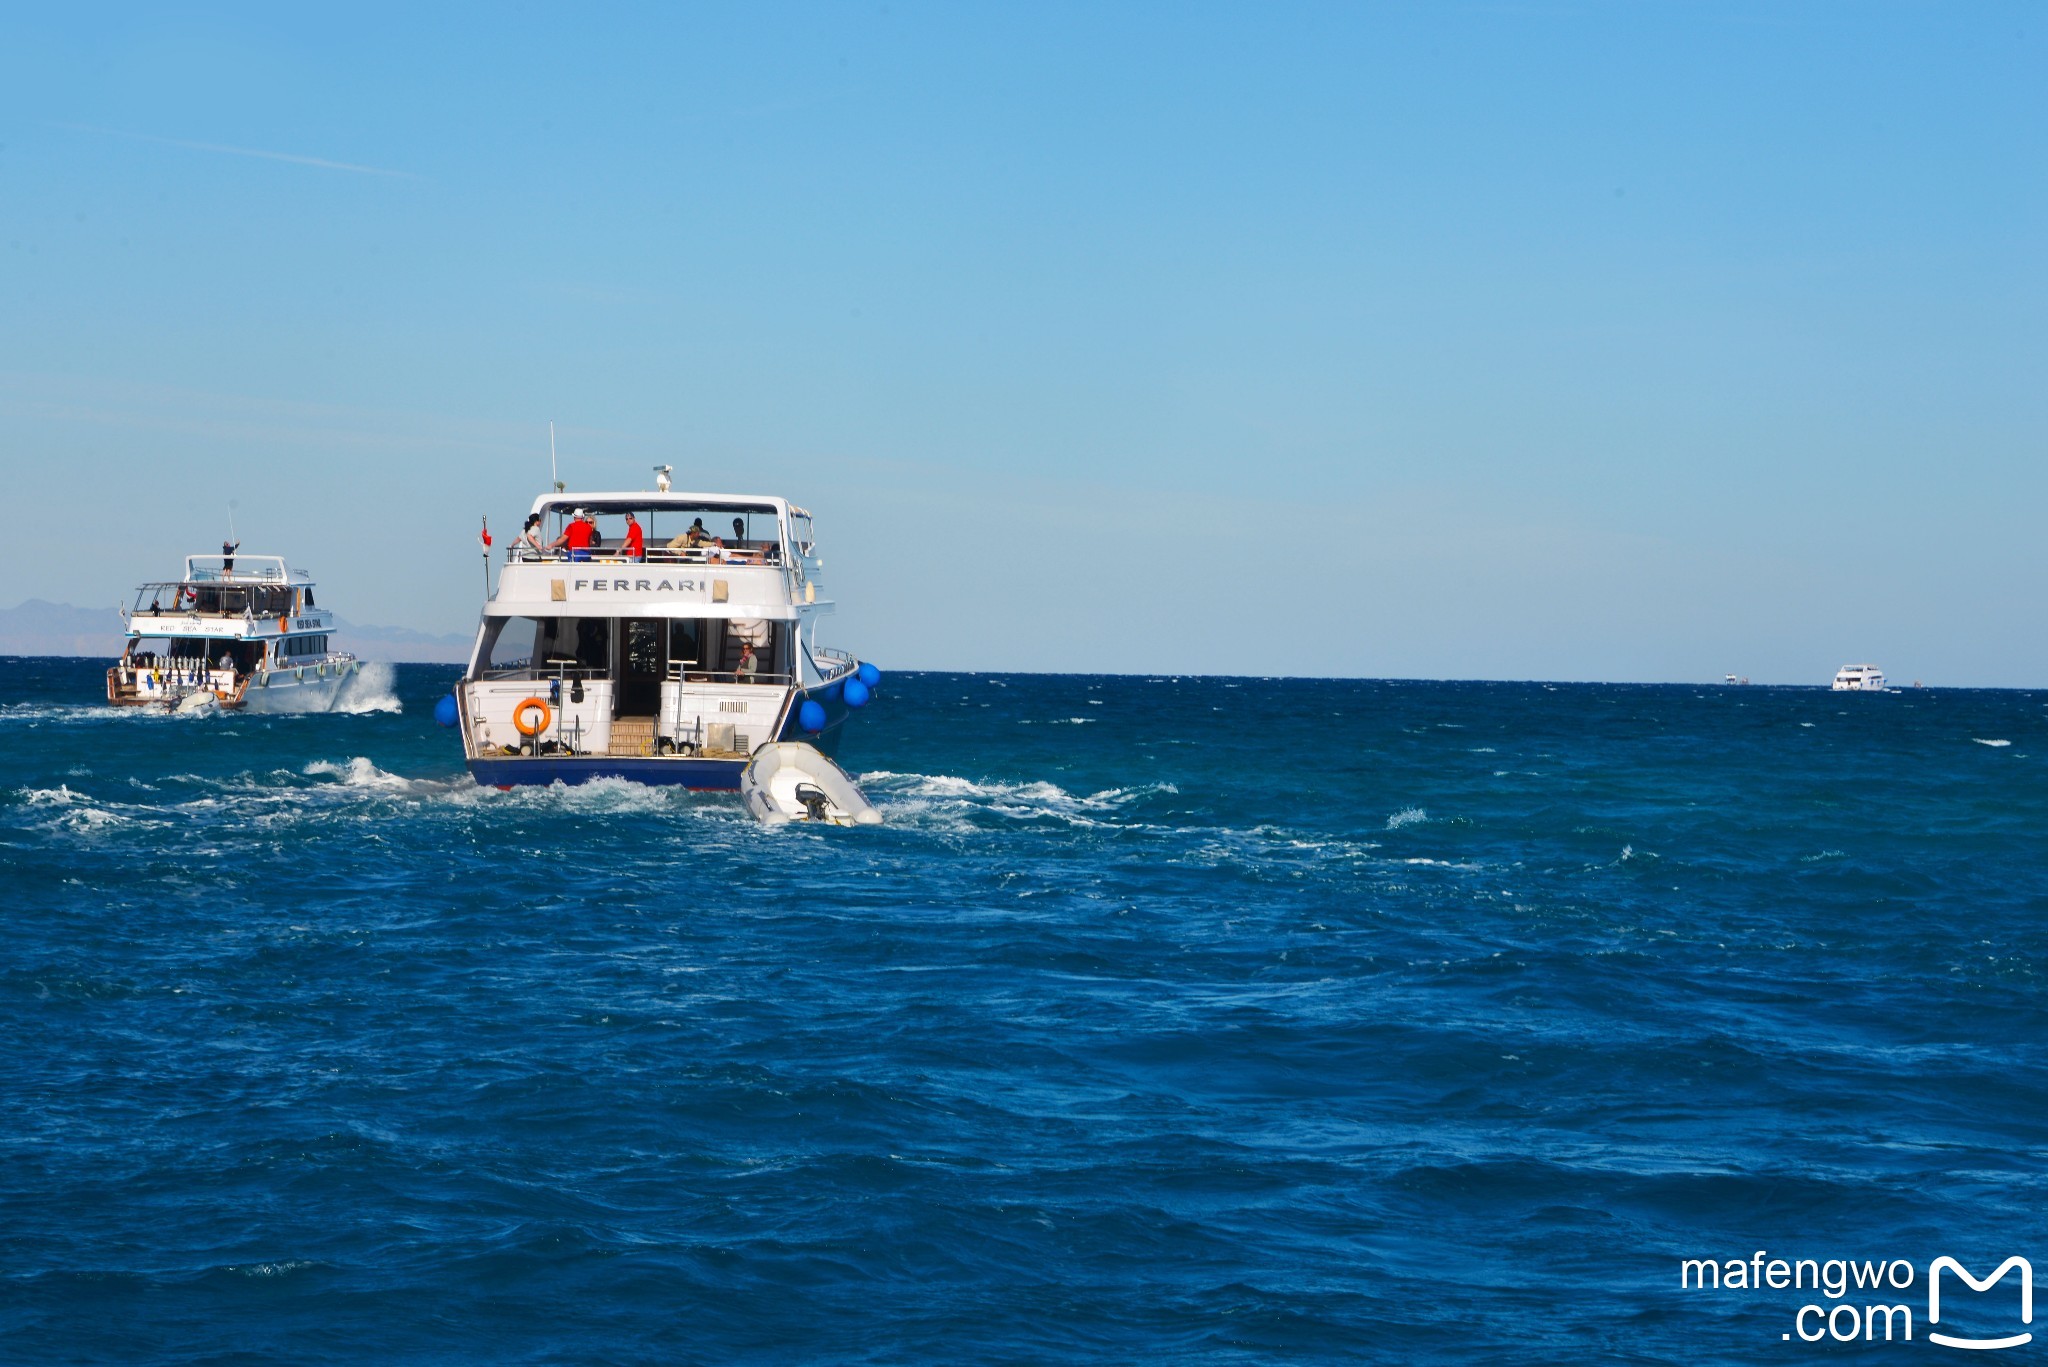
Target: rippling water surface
1167,1019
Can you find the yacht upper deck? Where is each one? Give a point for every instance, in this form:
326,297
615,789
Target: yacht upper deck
226,596
242,569
740,555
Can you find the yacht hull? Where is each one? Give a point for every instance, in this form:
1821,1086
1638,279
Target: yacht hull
318,691
719,775
309,689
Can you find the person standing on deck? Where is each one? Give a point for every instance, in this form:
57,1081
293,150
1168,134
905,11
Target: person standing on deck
227,556
576,536
636,540
529,536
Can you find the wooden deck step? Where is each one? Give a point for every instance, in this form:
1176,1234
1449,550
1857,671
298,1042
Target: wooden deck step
632,736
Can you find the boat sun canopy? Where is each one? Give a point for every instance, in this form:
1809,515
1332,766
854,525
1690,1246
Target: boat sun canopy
666,511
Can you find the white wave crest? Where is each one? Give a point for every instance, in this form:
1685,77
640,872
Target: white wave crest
74,811
598,795
1407,816
94,818
16,714
359,772
950,801
374,688
1996,744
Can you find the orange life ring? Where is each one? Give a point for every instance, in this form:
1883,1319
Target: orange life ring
547,714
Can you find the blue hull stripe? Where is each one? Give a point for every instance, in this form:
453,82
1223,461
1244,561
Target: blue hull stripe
706,775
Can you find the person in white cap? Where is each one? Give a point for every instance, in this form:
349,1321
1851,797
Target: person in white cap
576,536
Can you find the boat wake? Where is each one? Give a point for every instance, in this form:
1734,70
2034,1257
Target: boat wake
372,688
946,802
359,772
37,714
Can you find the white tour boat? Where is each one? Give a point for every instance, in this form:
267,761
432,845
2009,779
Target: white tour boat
241,630
1859,679
665,660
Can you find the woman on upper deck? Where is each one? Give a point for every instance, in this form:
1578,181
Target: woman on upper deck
529,536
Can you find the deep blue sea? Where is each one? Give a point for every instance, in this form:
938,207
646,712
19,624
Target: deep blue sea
1167,1020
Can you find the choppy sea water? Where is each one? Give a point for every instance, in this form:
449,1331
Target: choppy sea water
1167,1019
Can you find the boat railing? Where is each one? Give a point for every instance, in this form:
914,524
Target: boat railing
525,670
543,670
833,663
740,553
262,575
255,602
250,614
735,676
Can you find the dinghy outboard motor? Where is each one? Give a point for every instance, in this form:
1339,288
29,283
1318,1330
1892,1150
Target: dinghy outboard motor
813,799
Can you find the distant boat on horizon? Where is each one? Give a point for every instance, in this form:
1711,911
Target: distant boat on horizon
1859,679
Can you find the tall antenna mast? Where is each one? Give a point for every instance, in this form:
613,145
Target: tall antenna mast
553,473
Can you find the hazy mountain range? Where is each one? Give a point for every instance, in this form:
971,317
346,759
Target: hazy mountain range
38,627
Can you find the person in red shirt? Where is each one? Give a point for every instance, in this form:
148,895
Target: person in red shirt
636,540
576,536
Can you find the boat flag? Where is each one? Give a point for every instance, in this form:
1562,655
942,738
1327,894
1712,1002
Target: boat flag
486,534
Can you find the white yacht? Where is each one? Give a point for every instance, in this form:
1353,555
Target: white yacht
242,629
1859,679
664,659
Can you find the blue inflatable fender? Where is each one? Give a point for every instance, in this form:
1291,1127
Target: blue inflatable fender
870,676
856,693
811,716
445,710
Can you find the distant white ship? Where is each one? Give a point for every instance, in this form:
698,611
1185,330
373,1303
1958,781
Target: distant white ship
233,632
1859,679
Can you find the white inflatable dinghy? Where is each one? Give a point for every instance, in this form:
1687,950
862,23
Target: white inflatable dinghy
198,700
790,781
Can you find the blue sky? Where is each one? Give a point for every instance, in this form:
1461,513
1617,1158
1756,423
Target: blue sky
1502,340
